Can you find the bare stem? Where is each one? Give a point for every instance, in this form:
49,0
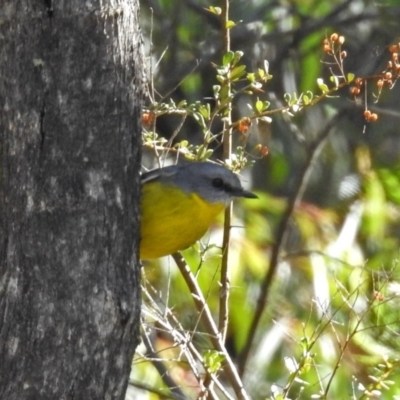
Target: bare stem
227,150
162,370
210,326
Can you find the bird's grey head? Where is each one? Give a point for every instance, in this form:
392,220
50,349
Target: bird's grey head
212,182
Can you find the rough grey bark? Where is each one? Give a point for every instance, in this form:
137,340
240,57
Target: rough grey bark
70,83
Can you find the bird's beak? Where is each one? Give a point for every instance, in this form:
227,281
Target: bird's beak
245,193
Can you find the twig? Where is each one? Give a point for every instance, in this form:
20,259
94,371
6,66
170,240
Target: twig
162,370
210,326
227,151
150,389
186,344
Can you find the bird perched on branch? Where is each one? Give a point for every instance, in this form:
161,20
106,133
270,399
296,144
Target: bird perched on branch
180,202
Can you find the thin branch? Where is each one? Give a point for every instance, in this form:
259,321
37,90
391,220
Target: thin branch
151,389
207,319
187,346
162,370
227,151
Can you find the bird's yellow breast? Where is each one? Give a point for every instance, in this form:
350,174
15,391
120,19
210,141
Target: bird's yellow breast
172,220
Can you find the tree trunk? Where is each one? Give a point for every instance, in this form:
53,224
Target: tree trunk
70,91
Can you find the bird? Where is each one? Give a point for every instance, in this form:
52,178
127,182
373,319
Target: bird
180,202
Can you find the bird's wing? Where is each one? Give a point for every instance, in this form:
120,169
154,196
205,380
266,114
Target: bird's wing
155,174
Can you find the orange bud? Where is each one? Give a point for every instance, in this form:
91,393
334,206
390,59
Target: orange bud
388,75
367,114
358,81
244,125
379,296
373,117
355,90
380,83
263,150
147,118
334,37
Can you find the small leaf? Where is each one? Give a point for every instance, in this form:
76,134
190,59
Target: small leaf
200,120
230,24
238,72
213,360
182,103
350,77
251,77
205,111
216,89
256,85
215,10
237,57
266,119
259,106
223,70
224,93
335,80
228,57
323,87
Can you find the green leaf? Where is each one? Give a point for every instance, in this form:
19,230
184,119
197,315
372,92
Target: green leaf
213,360
259,106
215,10
251,77
220,79
182,104
205,111
237,57
237,72
200,120
216,89
335,80
227,58
350,77
207,154
262,105
230,24
224,93
323,87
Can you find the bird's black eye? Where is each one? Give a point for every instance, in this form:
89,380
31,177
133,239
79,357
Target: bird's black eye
218,183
